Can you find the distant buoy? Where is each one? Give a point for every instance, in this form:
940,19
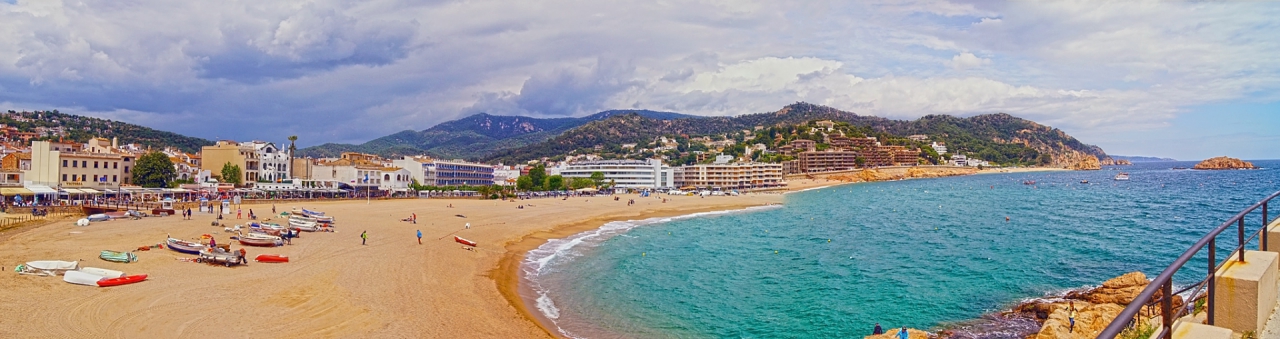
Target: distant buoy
775,252
642,254
828,240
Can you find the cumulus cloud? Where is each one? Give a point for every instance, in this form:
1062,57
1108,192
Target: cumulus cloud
967,60
349,71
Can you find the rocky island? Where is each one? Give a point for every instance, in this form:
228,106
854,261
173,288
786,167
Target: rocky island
1222,163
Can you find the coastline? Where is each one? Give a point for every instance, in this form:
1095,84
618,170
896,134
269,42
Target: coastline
508,276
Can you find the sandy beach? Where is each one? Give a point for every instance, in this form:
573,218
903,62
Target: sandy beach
333,287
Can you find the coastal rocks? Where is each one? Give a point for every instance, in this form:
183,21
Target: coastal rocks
1091,319
1108,161
1222,163
1086,163
1119,290
892,333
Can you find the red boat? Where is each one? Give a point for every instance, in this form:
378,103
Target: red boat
122,280
271,258
464,241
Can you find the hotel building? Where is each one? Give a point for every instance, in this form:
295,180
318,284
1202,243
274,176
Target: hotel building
651,173
730,176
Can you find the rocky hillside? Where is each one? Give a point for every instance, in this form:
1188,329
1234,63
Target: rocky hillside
54,125
473,137
1000,138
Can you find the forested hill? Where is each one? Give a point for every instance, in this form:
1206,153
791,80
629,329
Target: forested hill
1000,138
473,137
52,125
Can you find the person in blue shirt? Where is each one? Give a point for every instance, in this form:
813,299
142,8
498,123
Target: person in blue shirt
419,237
902,334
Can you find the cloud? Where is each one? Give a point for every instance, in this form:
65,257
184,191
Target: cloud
350,71
967,60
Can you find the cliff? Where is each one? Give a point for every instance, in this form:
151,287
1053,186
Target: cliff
1109,161
1085,162
1221,163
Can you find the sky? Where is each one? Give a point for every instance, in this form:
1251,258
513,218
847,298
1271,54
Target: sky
1187,80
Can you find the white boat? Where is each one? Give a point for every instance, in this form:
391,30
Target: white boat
302,224
1122,176
102,272
82,278
302,218
47,267
98,217
313,227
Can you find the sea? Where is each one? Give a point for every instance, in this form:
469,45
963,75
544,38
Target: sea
934,254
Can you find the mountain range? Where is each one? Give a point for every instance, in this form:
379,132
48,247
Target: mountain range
474,137
512,139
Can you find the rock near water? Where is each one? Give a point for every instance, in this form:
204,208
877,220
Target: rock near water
1222,163
892,333
1088,162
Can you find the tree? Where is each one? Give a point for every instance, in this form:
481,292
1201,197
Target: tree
553,183
231,173
292,149
577,183
597,178
538,175
524,183
154,170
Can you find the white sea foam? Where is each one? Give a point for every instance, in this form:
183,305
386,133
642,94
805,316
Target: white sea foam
560,251
548,307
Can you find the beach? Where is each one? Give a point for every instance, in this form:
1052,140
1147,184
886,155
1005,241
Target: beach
333,287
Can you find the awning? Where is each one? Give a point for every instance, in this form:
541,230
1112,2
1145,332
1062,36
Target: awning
14,191
90,191
72,191
179,190
42,189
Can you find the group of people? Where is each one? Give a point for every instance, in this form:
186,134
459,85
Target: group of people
902,333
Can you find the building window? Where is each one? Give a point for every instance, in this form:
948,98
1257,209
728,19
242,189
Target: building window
75,164
64,163
95,178
113,178
84,177
95,164
126,169
84,163
115,165
64,177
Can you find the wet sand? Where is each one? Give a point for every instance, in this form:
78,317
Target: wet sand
334,287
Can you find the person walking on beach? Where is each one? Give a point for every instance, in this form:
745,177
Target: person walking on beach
414,219
1071,316
238,213
902,334
878,329
364,236
419,237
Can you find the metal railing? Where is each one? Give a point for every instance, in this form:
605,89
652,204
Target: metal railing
1163,283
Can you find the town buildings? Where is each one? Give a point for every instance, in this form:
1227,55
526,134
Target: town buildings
651,173
224,152
730,176
274,162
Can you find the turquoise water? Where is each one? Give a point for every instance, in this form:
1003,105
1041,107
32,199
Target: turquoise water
929,253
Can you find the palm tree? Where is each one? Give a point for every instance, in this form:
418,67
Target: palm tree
292,148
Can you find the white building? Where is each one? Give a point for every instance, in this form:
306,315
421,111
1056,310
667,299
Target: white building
940,148
421,169
359,176
505,175
962,160
650,173
274,161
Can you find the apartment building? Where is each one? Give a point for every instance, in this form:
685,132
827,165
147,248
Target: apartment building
730,176
651,173
213,158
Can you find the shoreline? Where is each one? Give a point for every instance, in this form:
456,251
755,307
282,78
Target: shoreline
509,277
